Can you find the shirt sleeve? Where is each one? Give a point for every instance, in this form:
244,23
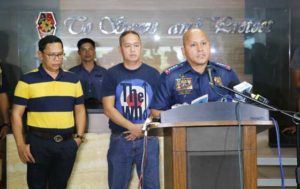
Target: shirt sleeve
108,84
231,78
234,77
162,96
21,95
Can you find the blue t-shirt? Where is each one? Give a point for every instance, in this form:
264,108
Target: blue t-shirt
133,91
91,81
181,84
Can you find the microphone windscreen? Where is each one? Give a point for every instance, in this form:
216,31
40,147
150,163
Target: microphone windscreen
242,87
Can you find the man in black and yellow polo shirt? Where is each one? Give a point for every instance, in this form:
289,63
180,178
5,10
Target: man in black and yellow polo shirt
54,102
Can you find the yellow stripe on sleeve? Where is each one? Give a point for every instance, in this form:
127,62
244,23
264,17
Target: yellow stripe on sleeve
79,91
22,90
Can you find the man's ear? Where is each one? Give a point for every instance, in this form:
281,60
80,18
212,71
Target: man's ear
39,55
120,51
183,51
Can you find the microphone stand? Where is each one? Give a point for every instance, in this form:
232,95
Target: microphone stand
256,101
274,109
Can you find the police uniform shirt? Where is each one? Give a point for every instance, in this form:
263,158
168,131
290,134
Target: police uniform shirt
181,84
91,81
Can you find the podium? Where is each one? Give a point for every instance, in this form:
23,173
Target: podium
212,145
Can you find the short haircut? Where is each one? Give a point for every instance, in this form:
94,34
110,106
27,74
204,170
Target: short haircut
85,40
128,32
49,39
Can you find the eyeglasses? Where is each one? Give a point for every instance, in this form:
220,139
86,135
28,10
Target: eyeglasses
55,56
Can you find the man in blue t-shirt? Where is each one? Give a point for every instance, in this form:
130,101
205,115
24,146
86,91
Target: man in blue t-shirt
91,75
128,89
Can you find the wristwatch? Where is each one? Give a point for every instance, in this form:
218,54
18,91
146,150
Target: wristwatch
81,137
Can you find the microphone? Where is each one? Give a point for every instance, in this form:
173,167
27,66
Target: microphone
245,88
146,124
240,87
149,123
257,97
211,81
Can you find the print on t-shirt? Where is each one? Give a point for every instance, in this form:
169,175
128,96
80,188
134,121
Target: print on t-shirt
132,99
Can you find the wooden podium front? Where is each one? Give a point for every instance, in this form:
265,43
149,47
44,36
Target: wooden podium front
217,135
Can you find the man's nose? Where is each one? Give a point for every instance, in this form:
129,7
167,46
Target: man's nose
199,47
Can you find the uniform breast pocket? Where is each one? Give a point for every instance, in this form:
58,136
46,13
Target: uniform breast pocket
99,78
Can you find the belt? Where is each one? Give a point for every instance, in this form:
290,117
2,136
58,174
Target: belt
50,136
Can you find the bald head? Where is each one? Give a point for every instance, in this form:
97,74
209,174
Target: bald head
196,48
193,31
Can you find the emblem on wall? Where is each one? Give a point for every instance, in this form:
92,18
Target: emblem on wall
46,24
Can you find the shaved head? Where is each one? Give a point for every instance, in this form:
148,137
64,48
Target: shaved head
196,48
187,34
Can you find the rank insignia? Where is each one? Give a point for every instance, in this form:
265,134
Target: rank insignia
224,66
184,85
46,24
173,68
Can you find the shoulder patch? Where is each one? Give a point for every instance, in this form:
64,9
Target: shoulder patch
172,68
225,66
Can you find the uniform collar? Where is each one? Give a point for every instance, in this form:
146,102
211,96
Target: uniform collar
211,64
187,67
94,68
45,74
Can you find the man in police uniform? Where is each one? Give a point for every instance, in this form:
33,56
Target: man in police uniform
184,82
54,102
91,75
